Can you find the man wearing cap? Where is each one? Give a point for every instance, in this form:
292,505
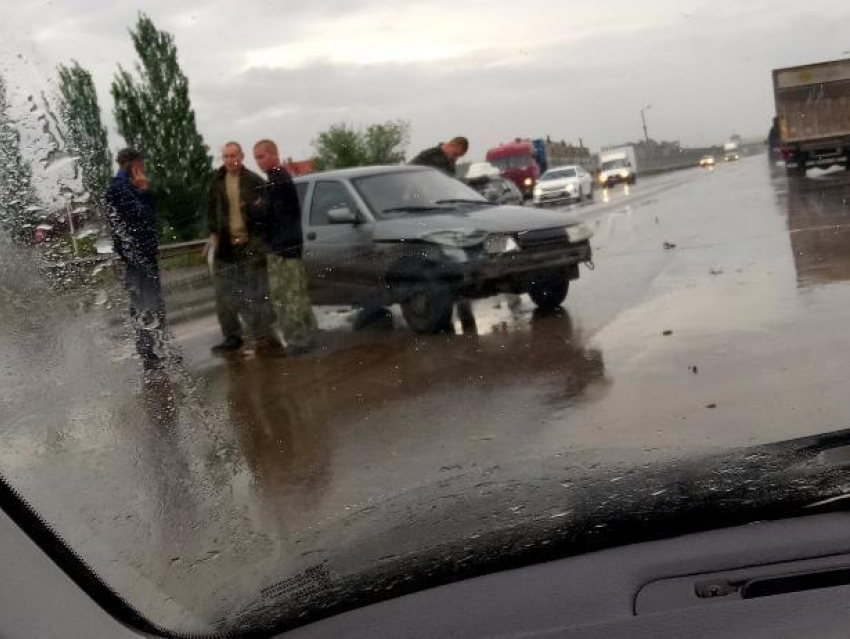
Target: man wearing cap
236,236
132,217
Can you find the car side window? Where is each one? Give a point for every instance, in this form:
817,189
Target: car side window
327,196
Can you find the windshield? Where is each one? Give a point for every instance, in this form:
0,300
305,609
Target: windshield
512,162
558,175
615,164
412,192
264,357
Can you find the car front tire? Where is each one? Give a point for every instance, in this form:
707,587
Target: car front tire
548,291
426,302
428,309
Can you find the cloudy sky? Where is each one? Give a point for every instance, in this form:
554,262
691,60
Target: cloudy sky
489,69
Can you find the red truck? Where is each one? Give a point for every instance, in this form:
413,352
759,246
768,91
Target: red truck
516,161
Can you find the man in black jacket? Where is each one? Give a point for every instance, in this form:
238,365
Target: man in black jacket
444,156
132,218
241,272
284,242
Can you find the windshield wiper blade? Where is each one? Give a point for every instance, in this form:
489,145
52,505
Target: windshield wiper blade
413,208
467,201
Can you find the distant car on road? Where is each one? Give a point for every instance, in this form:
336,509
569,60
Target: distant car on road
731,152
706,161
498,190
564,183
486,180
413,236
618,166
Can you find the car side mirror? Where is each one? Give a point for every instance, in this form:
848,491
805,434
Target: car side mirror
342,215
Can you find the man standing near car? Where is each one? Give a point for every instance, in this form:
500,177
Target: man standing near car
284,242
132,220
240,267
444,156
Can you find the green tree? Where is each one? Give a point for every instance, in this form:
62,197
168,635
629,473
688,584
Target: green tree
340,147
386,143
155,115
19,205
86,135
343,146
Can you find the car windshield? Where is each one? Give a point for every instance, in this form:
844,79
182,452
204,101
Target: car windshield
521,161
413,192
558,174
265,357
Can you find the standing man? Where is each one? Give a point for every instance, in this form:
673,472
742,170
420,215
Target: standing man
285,242
240,268
444,156
132,218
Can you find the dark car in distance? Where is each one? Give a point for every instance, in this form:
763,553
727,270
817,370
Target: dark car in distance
419,238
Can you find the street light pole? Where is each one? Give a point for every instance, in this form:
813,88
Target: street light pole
643,119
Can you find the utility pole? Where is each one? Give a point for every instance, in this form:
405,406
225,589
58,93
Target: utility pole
643,119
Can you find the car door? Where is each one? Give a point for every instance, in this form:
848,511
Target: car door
339,254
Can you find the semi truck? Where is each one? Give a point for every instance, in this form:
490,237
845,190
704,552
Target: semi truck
618,166
813,112
516,161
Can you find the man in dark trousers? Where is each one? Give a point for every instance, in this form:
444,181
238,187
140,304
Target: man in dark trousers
284,242
444,156
240,268
132,217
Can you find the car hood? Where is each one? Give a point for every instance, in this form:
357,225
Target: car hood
492,219
554,185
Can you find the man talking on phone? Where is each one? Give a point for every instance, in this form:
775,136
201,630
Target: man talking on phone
132,218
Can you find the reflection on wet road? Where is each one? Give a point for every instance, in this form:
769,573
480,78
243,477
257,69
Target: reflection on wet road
715,319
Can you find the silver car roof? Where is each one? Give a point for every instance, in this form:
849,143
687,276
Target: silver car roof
361,171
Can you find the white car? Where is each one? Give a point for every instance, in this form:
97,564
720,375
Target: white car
564,183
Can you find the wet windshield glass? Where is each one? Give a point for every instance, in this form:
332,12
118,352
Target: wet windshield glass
558,175
265,356
392,193
614,164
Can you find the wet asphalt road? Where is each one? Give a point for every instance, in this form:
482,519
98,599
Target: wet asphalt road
192,492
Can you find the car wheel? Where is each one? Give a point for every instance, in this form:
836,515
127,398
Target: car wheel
580,194
428,309
548,291
426,302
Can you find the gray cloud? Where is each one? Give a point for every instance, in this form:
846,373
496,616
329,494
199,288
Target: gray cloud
564,68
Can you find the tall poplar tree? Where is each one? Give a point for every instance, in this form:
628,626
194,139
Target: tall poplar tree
155,115
85,133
